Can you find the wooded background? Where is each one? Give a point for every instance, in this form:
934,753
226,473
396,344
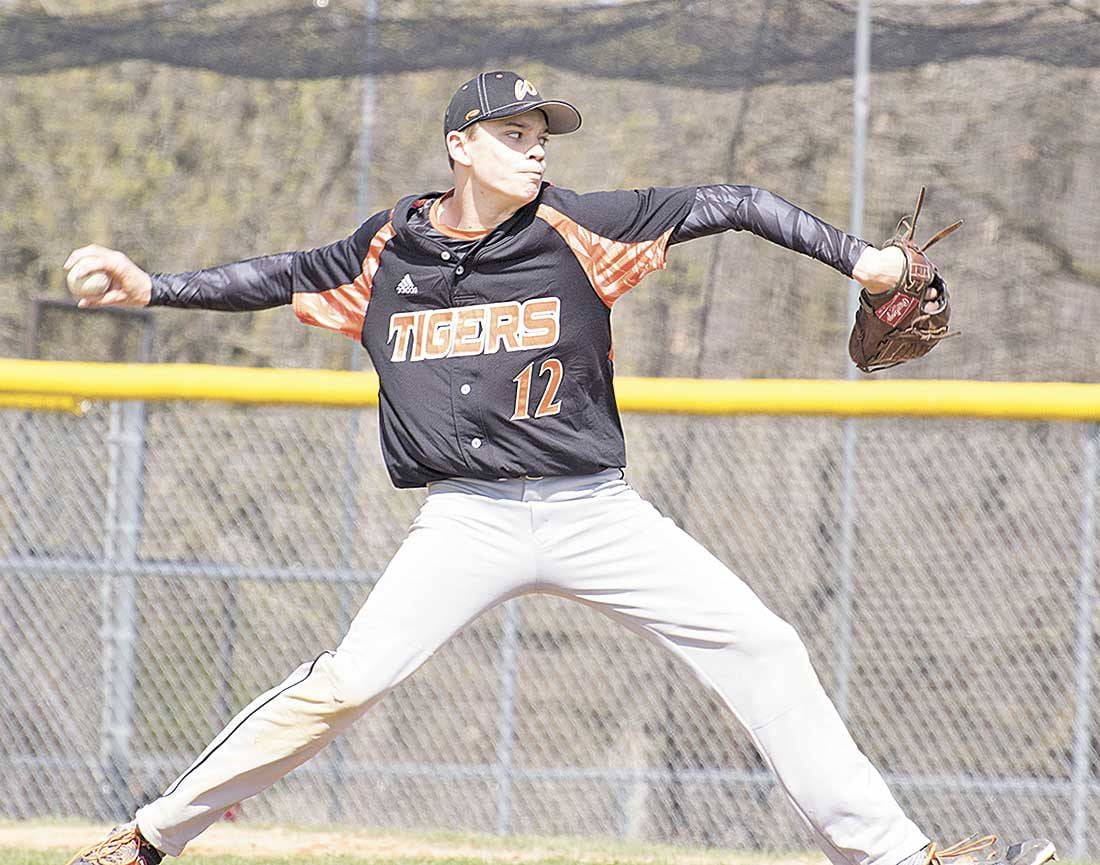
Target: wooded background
193,133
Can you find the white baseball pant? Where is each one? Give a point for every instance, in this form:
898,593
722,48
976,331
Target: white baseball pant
591,538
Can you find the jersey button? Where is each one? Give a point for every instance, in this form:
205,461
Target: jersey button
446,256
460,270
465,389
475,443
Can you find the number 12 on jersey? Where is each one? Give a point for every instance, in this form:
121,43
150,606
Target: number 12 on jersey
546,406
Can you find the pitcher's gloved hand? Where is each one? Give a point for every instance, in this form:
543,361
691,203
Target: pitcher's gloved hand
907,321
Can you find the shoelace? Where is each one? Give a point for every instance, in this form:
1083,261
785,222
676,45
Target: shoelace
121,848
907,226
968,845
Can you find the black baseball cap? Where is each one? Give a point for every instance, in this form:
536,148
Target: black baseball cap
492,95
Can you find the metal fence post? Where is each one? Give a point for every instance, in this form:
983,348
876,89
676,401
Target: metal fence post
126,457
349,495
1083,648
227,645
861,88
506,713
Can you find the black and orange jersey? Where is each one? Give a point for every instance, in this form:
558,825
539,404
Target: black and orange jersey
494,352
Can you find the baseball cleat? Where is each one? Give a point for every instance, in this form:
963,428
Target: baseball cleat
125,845
986,851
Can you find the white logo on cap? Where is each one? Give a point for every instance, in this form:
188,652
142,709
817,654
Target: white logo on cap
523,87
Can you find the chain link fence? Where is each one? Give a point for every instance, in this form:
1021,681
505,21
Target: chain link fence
160,566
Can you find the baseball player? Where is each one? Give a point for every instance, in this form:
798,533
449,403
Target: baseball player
486,312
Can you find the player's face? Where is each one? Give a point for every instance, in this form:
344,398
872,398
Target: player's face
508,156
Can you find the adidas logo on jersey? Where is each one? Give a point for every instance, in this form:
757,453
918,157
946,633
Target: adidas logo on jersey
407,286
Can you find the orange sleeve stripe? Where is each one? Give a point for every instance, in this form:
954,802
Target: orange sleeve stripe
612,266
344,308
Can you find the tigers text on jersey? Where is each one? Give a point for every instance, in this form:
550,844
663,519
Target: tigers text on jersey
494,354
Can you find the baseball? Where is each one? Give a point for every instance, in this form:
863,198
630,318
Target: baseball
89,284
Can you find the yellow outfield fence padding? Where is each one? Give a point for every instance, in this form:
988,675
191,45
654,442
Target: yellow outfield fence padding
37,402
46,381
189,382
868,398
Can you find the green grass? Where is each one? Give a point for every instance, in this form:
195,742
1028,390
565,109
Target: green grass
350,846
420,848
9,856
21,857
27,857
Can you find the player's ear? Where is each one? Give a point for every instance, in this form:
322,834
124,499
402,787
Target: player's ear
457,147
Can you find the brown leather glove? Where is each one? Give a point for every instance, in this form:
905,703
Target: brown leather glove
907,321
